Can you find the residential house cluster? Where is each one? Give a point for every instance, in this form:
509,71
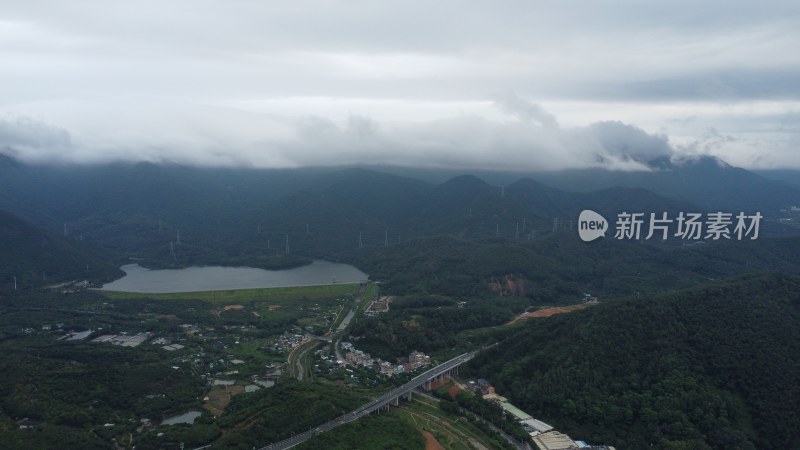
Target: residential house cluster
414,361
288,341
480,386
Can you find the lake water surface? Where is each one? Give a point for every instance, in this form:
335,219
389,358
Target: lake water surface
215,278
187,417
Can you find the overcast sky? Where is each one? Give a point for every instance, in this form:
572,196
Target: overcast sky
503,84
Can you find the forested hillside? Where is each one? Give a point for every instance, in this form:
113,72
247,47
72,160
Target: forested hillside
36,257
711,367
559,267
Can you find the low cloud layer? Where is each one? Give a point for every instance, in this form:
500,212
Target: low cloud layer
526,137
629,142
27,138
511,103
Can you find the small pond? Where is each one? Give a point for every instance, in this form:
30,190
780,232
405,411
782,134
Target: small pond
187,417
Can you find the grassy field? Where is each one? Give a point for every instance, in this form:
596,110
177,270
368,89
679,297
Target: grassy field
451,432
370,293
412,419
247,295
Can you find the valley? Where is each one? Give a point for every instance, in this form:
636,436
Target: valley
453,267
338,225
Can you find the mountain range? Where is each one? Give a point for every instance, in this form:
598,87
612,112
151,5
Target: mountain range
248,216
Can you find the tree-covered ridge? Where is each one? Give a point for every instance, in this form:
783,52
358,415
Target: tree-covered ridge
432,324
559,267
716,367
38,257
243,216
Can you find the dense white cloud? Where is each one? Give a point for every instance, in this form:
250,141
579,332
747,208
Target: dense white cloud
526,111
527,137
25,137
323,81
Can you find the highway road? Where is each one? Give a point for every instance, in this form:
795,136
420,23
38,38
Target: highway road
346,320
373,405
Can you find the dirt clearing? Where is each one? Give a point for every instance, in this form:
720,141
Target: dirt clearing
430,442
547,312
219,399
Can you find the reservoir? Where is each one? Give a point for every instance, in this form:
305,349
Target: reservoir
216,278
